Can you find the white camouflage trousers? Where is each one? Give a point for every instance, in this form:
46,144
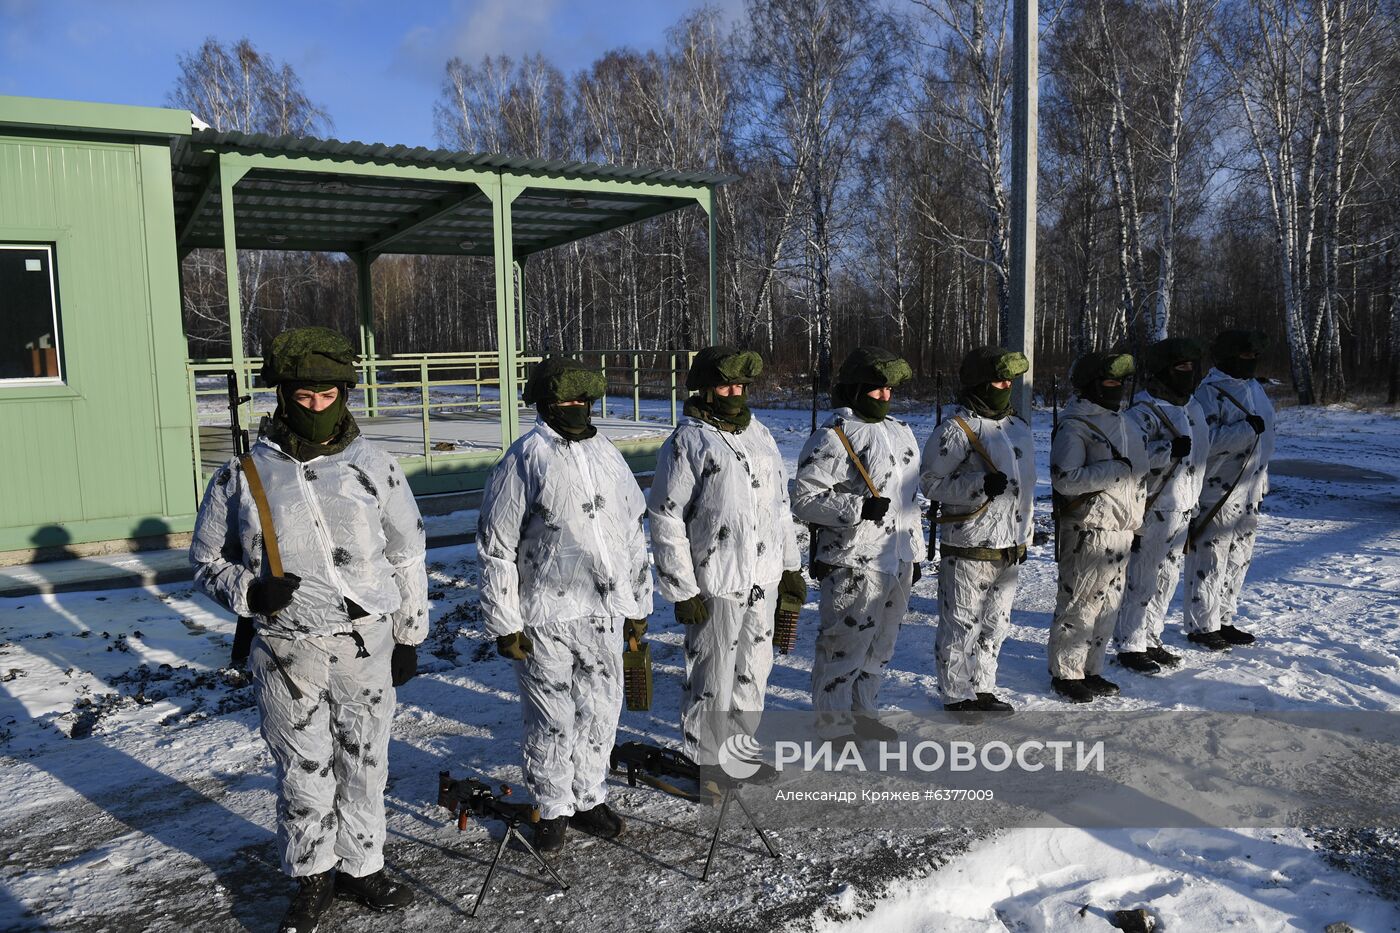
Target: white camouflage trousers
727,661
1153,572
1216,566
974,617
1093,567
861,611
571,690
331,747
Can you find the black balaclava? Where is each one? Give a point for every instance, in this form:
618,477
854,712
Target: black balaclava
574,422
1164,379
1092,370
1230,345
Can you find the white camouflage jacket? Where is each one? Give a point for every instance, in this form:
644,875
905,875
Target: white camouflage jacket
952,474
346,523
1235,450
560,535
830,492
720,517
1171,487
1105,494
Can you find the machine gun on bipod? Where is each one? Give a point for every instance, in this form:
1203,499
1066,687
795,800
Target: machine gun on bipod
468,798
656,767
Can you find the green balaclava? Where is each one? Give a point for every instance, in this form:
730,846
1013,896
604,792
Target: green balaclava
868,368
980,368
1229,347
1091,370
1164,379
722,366
319,359
559,379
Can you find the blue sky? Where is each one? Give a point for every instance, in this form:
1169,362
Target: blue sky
375,66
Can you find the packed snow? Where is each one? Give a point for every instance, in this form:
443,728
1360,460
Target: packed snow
137,793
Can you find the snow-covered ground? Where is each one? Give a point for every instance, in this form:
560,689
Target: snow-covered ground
136,792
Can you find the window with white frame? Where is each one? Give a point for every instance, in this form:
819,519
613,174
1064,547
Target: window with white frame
31,351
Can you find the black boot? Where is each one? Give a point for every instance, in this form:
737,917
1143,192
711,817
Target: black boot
991,703
1073,690
874,730
1236,636
963,706
374,890
549,834
599,821
1139,661
309,903
1163,657
1211,641
1100,687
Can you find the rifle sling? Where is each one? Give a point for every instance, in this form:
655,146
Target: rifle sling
981,450
274,557
860,467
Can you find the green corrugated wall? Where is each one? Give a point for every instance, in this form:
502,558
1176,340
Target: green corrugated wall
107,455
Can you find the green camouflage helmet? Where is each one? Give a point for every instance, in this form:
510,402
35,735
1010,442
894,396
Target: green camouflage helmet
560,379
1095,367
1164,354
314,355
873,366
1231,343
991,364
723,366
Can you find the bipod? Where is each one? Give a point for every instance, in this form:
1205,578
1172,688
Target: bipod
513,831
731,792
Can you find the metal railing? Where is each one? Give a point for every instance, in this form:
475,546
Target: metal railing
442,383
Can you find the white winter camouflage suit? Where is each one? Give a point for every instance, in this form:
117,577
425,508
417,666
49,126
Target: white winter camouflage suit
721,527
864,596
1216,566
1173,487
563,558
348,525
1095,536
974,596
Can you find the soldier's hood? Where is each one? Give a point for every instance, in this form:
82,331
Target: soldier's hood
1078,407
1216,375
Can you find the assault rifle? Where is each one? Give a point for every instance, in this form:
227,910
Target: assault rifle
469,797
652,765
243,634
933,506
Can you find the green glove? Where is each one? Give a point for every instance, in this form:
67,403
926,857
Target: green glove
692,611
633,629
516,646
793,585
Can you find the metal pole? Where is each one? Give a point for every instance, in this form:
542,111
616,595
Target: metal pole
363,261
1021,329
709,205
506,356
228,177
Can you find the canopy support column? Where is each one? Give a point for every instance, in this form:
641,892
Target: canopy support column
229,175
708,203
507,358
524,308
369,371
1020,328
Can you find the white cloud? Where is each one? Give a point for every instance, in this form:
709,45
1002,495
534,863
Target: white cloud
477,28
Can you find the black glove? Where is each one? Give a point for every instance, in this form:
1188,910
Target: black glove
994,484
269,596
793,584
1181,446
918,569
874,509
1256,422
403,664
516,646
692,611
633,629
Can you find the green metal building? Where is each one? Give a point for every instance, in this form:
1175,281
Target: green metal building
99,403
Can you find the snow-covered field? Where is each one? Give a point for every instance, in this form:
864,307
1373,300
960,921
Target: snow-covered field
136,792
